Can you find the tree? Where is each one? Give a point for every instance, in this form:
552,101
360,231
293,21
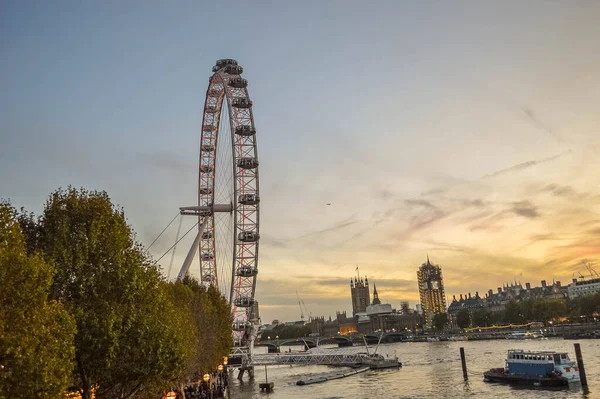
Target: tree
212,321
463,318
513,312
440,320
584,305
36,336
128,333
481,317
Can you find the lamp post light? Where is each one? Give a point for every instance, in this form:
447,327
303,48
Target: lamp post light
206,377
220,367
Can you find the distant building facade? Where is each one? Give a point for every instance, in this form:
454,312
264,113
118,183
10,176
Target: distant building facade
431,291
584,287
367,317
361,297
496,302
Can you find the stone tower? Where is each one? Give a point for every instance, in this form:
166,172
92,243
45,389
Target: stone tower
361,298
431,291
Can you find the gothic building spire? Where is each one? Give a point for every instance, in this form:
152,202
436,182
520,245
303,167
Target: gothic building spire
376,300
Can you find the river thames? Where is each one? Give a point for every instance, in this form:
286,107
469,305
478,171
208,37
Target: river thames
430,370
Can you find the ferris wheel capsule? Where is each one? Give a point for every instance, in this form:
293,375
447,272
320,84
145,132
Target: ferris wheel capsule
238,83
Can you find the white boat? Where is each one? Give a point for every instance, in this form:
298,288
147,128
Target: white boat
545,368
524,335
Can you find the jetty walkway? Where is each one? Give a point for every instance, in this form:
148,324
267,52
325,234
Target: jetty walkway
338,357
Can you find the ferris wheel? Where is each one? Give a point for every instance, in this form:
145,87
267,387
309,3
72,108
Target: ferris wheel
228,197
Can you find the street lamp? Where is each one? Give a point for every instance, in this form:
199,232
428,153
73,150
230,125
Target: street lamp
206,377
225,360
220,367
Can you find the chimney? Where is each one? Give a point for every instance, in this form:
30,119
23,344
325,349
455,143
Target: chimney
476,294
469,295
574,281
499,290
543,283
490,292
461,298
558,283
528,285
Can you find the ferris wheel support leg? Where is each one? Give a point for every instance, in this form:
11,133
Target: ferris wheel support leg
192,252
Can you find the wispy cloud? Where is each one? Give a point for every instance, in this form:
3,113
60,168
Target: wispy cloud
525,209
533,118
524,165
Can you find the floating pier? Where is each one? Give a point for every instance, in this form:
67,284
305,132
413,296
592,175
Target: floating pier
331,377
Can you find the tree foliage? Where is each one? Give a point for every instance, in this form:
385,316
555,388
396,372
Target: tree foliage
481,317
463,318
128,333
36,335
212,323
286,332
136,335
534,309
584,305
440,320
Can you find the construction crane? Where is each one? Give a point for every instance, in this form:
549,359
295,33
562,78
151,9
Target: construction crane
300,305
590,269
306,310
303,308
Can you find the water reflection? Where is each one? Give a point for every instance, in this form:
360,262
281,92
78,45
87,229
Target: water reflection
431,370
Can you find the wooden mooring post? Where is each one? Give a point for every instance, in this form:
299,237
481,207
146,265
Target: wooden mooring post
580,365
464,363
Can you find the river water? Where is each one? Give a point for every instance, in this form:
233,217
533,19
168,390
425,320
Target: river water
430,370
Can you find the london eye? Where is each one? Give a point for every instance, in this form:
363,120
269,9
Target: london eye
228,197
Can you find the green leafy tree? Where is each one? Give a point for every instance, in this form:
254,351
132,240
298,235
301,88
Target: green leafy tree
440,320
482,317
212,321
584,306
463,318
128,333
287,332
36,335
513,312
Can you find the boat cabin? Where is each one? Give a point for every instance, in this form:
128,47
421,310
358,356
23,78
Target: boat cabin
535,363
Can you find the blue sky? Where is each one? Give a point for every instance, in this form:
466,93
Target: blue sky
465,130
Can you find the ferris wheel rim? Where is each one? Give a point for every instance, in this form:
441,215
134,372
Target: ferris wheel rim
246,216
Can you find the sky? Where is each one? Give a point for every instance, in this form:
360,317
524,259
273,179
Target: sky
466,131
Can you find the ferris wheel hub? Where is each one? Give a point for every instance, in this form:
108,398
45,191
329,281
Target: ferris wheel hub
198,210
